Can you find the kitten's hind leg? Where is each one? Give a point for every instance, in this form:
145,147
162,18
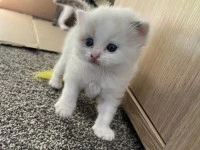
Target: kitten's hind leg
57,77
65,14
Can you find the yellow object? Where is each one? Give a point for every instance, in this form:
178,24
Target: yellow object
46,75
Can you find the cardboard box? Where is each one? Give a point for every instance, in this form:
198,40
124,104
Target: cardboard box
20,29
23,30
43,9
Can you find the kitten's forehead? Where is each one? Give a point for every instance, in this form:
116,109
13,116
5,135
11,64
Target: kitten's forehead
109,22
107,30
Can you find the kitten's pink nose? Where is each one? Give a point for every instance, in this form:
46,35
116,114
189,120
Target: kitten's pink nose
95,55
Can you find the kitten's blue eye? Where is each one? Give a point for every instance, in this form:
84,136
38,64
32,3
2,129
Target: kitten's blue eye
111,47
89,42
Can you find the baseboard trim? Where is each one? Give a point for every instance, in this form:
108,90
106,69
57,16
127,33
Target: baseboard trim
142,124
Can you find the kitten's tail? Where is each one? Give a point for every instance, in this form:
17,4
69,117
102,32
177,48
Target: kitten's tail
77,4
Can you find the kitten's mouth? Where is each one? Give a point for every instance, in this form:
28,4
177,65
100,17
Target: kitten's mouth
94,61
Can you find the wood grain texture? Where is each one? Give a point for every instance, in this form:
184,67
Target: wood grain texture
187,136
148,134
167,83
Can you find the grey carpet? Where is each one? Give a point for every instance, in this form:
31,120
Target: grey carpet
27,118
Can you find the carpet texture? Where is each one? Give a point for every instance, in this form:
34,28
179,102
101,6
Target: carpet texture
27,117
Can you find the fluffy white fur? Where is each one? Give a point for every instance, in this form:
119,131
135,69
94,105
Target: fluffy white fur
68,10
65,14
108,77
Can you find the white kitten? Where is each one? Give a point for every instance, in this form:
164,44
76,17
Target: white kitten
99,56
68,9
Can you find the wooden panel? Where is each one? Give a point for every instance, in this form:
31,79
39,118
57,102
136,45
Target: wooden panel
166,84
187,137
146,131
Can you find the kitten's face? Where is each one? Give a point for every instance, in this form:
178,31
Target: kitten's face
110,36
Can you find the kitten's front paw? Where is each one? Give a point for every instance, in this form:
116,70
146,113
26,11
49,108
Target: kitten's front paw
56,84
64,27
64,110
106,133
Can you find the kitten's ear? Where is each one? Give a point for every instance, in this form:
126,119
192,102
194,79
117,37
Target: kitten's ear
141,26
80,15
